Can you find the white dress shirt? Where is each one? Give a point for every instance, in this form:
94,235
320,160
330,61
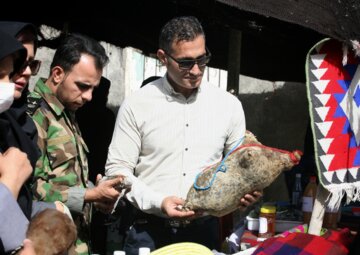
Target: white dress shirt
163,140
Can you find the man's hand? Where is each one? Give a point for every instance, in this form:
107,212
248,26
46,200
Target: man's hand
170,206
15,169
105,191
249,199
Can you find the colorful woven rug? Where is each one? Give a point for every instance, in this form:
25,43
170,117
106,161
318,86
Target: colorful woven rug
333,243
334,100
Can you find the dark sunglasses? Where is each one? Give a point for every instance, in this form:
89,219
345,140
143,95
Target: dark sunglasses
33,64
188,64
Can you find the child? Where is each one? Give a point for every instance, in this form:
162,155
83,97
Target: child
52,232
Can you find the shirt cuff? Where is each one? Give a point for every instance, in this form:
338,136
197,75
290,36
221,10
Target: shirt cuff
75,200
39,206
90,184
156,206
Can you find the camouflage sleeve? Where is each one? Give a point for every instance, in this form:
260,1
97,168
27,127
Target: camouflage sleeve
55,178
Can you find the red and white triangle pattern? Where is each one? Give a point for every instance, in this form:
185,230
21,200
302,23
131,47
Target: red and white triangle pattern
335,159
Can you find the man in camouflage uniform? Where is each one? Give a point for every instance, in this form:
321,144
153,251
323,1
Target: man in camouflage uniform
61,172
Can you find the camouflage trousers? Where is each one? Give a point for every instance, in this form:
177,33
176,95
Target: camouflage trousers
82,247
82,223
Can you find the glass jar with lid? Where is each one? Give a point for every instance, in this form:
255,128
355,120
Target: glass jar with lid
267,221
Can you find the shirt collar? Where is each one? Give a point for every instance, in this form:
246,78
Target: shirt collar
49,96
171,94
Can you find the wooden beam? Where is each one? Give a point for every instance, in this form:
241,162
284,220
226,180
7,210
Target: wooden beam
234,56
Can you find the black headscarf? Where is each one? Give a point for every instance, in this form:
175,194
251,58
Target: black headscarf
14,28
17,129
8,46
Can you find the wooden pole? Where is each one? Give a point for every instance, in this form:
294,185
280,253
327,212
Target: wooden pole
234,57
317,215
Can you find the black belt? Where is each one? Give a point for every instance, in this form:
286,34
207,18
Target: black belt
144,218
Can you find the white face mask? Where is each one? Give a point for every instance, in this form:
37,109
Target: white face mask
7,90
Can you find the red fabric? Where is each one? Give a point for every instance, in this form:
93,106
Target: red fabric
333,243
249,238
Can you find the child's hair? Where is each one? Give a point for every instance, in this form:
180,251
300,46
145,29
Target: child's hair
52,232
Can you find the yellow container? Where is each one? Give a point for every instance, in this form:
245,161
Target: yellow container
267,221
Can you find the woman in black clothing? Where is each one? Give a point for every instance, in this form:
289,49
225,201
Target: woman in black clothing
15,167
16,127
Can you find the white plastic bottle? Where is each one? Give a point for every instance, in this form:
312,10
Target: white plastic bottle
144,251
119,253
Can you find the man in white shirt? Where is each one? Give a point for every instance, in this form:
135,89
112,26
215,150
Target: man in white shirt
169,131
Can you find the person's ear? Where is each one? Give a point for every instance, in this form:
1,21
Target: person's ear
58,74
162,56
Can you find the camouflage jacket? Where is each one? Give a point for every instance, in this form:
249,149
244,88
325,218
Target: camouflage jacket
61,173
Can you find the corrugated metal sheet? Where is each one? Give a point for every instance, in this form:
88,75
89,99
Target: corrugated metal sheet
339,19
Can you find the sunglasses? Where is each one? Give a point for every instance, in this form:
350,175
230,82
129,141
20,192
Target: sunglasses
188,64
34,66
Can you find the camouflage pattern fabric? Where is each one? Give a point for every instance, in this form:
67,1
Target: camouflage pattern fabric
63,161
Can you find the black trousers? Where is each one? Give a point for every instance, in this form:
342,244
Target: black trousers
155,232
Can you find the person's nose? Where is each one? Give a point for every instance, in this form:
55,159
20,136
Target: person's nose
26,71
195,70
87,95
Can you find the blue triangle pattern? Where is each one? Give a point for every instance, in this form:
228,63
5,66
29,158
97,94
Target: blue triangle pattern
356,96
339,97
352,143
346,128
339,112
345,84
